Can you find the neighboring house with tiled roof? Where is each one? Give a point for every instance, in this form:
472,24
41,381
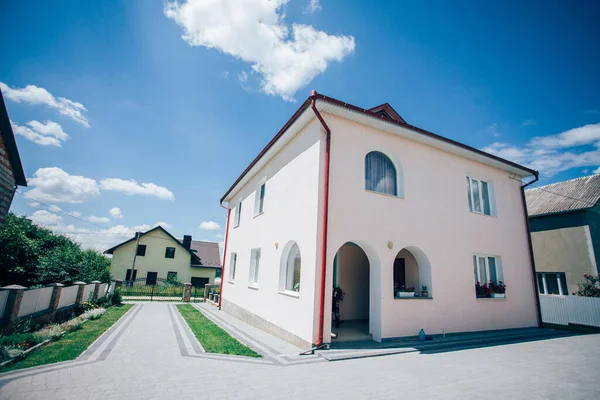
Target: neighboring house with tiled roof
11,170
160,255
564,220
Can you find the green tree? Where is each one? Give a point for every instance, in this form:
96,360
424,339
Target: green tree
32,255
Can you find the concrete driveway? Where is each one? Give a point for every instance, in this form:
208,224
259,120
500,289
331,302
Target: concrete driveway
143,358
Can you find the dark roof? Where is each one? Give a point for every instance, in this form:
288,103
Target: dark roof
575,194
202,252
208,252
8,137
376,114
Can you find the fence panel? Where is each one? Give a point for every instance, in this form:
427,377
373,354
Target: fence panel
111,288
102,290
565,310
88,292
68,295
3,301
35,300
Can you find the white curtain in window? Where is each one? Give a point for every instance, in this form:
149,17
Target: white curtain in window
380,174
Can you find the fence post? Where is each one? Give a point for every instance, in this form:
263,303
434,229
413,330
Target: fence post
187,291
79,300
96,289
56,290
206,291
13,302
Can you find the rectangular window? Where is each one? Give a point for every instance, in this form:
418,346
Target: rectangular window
151,278
259,201
237,215
141,250
232,264
486,269
479,196
171,276
128,275
170,252
552,283
254,267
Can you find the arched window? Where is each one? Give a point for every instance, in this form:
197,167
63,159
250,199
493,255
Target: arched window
291,268
380,174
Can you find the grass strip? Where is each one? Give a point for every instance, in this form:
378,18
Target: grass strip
212,337
72,344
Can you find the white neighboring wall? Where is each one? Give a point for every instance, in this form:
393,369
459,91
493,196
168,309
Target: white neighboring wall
291,213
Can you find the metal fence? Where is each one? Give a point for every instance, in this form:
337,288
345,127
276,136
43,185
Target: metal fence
565,310
160,289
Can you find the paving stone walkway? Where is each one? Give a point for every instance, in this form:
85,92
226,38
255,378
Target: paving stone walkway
146,356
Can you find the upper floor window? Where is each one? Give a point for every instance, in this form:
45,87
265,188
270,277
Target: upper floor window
254,267
380,174
237,215
170,252
291,269
259,201
232,264
141,250
552,283
479,196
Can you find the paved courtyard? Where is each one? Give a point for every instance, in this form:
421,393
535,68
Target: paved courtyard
146,357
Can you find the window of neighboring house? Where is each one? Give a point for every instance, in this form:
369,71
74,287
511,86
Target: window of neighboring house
487,269
232,264
291,269
151,278
237,215
171,276
479,196
259,201
141,250
552,283
170,252
128,275
254,267
380,174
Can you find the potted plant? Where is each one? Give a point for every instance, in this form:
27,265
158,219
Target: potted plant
498,290
482,290
406,291
337,296
424,292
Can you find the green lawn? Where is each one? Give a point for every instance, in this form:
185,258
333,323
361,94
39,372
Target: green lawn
72,344
213,338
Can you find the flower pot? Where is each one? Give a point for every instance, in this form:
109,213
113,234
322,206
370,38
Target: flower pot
406,294
424,293
498,295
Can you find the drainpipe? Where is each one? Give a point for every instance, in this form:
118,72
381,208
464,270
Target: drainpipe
224,254
313,96
531,258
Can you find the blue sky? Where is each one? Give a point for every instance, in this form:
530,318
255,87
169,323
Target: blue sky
186,115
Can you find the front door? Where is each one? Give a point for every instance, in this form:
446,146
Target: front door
151,278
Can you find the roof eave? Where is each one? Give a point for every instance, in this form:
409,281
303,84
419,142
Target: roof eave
10,143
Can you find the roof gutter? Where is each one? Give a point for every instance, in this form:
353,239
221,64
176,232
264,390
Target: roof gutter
530,245
313,98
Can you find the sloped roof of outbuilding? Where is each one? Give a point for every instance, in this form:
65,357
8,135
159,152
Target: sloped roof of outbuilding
575,194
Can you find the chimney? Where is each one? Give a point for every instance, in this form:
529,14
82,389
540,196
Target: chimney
187,241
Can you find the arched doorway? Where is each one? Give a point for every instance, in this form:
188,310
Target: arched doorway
412,270
351,274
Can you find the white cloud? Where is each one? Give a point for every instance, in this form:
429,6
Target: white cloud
243,76
115,213
529,122
552,154
48,133
44,217
219,236
313,6
56,186
225,74
36,95
98,220
210,226
131,187
163,224
286,58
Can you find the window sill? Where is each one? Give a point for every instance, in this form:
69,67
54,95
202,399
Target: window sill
490,298
237,226
485,215
413,298
231,282
253,287
258,215
385,194
289,293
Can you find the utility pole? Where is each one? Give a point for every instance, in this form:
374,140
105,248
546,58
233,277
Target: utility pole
137,243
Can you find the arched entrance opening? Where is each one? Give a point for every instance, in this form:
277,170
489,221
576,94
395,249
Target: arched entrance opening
351,275
412,273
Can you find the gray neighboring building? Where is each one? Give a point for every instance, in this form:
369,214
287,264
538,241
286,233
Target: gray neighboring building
11,170
564,219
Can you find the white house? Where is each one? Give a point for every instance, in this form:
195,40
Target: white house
359,199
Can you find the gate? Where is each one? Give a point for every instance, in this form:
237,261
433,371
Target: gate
155,289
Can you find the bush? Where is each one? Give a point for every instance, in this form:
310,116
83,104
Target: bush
590,287
93,314
116,297
72,325
19,340
52,332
